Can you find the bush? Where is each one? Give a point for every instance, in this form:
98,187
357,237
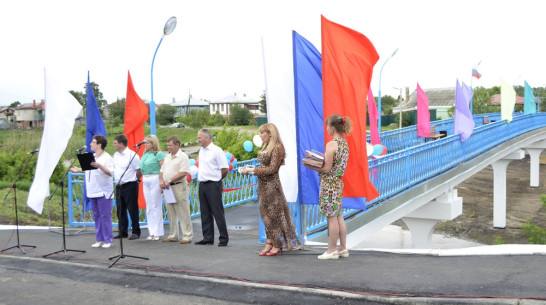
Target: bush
239,115
232,141
536,234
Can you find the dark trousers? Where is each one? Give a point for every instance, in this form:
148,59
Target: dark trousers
210,202
128,201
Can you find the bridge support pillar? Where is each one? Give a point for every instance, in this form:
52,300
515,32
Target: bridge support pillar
499,187
422,221
534,150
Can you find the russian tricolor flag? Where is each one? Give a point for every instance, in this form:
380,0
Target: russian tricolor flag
303,89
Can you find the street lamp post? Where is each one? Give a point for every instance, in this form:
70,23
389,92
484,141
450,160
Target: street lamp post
169,28
379,91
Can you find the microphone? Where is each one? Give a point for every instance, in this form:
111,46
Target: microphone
143,142
81,148
34,151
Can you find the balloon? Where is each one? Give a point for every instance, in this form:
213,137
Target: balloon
197,162
232,158
228,156
257,140
377,149
247,145
384,152
188,178
192,162
234,162
369,149
193,170
231,167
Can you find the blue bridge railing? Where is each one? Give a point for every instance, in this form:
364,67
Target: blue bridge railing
238,189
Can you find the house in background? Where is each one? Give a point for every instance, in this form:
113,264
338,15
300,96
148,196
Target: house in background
439,99
185,106
222,105
30,115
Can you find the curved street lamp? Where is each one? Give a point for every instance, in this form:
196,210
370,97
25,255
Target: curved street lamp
168,29
379,93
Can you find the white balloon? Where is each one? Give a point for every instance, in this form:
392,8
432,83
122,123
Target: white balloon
257,140
193,171
369,149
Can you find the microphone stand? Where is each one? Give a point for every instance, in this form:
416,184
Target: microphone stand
61,183
14,188
116,190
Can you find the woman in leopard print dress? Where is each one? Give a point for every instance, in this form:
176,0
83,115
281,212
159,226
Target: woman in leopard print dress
274,211
331,185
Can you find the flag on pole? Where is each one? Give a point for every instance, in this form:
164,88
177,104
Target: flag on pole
464,122
423,114
476,74
61,109
508,100
529,106
136,114
348,58
93,126
309,119
374,116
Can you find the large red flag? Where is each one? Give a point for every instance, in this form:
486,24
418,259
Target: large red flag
348,58
136,114
423,114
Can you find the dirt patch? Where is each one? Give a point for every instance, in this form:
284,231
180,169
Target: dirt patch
522,203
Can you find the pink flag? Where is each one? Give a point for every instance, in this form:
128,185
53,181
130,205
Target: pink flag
372,113
423,115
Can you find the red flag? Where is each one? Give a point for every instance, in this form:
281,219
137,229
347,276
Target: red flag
136,114
372,113
423,115
348,58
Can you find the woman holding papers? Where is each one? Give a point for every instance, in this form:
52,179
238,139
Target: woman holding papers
273,207
150,164
100,189
331,185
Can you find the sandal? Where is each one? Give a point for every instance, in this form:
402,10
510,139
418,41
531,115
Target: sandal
264,252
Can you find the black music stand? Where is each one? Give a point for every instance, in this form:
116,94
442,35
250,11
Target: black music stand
14,188
121,254
61,183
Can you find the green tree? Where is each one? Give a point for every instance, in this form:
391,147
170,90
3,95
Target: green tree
165,114
14,104
387,103
481,100
406,119
239,115
263,103
217,119
196,118
117,109
82,96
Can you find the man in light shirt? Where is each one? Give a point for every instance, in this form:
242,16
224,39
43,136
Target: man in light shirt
213,167
175,168
126,176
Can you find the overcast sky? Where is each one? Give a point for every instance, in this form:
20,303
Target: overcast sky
216,50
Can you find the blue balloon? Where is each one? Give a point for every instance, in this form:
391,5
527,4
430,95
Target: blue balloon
234,162
247,145
377,149
192,162
228,157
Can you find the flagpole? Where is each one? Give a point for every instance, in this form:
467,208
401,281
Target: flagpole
169,28
472,98
379,92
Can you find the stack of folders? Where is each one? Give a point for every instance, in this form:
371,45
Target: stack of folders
314,158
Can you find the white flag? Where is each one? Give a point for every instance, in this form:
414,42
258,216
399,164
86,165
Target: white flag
61,109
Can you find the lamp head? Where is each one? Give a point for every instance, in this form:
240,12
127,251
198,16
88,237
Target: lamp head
393,53
169,26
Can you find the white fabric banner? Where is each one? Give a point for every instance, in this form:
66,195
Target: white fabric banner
61,109
279,79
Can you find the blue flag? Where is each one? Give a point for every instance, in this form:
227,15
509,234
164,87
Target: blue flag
94,126
310,118
529,106
463,123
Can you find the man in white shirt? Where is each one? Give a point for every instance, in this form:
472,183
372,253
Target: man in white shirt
213,167
126,176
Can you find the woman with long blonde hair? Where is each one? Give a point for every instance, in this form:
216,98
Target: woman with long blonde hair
274,210
150,164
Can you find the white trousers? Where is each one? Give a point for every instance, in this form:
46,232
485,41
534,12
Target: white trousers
154,209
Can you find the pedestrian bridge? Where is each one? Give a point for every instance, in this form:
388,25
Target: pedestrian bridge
417,179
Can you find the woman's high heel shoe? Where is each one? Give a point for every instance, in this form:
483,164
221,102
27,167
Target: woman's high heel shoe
264,252
279,252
